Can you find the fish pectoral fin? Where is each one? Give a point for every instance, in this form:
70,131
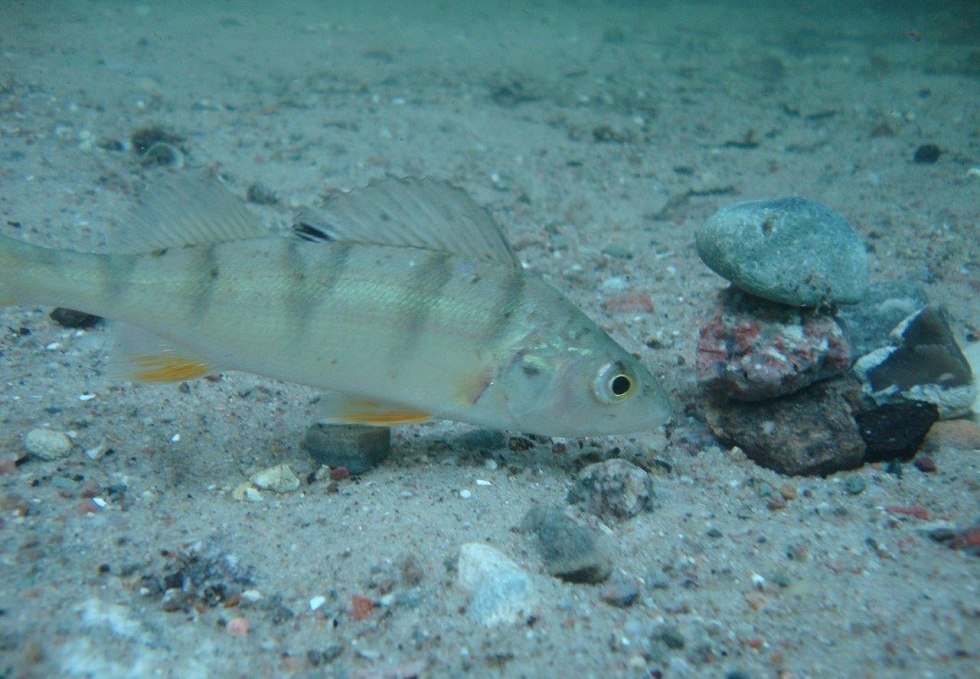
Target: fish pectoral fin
340,408
140,356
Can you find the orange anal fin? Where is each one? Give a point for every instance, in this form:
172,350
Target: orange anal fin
167,367
338,408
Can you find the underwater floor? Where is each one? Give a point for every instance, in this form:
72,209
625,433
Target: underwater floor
600,136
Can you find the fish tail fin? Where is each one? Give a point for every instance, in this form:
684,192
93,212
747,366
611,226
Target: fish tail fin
32,274
14,255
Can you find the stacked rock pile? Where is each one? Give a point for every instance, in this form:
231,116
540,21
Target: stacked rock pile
775,349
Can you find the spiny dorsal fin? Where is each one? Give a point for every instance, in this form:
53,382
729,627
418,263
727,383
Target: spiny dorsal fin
411,212
186,209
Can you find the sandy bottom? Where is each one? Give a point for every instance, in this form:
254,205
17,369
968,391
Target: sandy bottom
583,127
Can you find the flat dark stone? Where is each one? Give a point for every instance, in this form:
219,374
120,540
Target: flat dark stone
357,447
69,318
808,432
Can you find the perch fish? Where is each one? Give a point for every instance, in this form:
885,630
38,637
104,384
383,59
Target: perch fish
402,299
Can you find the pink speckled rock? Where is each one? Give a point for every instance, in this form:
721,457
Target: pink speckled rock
750,349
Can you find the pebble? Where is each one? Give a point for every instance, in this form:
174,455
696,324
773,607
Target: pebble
278,479
239,627
927,365
613,489
69,318
261,194
925,464
47,444
357,447
672,637
869,322
809,432
629,302
751,349
927,154
788,491
501,593
789,250
854,485
617,251
570,551
246,491
622,592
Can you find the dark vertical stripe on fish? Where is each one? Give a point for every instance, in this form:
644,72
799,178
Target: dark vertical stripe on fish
116,272
503,315
202,290
421,296
296,298
330,271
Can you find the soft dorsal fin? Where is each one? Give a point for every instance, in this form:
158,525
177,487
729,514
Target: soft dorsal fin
411,212
186,209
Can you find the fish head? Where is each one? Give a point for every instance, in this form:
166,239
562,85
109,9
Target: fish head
579,382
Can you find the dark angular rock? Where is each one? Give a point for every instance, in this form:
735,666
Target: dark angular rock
809,432
751,349
895,430
928,365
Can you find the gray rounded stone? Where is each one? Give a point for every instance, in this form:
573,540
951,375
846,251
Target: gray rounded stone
788,250
569,551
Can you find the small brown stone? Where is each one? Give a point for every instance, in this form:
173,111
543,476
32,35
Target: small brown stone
952,435
925,464
788,491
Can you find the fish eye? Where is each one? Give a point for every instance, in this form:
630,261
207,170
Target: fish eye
620,385
613,383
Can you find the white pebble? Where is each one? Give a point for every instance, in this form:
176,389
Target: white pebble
614,284
316,602
501,592
483,482
466,493
278,479
47,444
97,452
